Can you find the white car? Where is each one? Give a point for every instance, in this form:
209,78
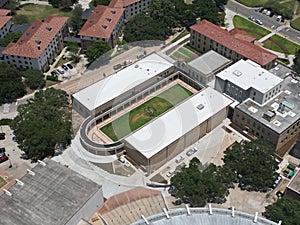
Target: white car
127,164
179,159
170,173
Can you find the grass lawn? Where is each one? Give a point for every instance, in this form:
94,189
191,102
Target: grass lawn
280,44
290,4
144,113
185,53
50,83
252,3
39,12
296,23
184,33
2,182
250,28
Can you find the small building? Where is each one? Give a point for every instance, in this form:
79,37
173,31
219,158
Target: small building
132,7
120,86
39,45
204,68
104,24
161,140
293,188
50,194
246,79
5,22
234,45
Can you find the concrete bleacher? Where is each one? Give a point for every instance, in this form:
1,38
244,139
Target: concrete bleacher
127,207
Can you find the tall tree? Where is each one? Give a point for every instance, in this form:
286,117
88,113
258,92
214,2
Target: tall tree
11,83
75,21
285,209
297,61
43,123
34,79
97,49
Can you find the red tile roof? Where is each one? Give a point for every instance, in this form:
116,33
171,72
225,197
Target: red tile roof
36,38
101,22
225,38
239,34
4,20
4,12
122,3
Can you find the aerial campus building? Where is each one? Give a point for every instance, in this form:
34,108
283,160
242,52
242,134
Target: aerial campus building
159,140
50,194
268,105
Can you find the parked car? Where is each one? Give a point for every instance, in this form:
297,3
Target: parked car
258,21
179,159
251,18
259,9
65,67
127,164
170,173
118,66
279,18
264,11
69,65
268,13
54,74
191,151
60,70
3,158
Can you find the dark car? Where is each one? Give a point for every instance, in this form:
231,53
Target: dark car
65,67
2,150
54,74
2,136
69,66
3,158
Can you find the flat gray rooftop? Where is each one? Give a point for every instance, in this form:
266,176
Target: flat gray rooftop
295,182
290,96
247,74
209,62
50,197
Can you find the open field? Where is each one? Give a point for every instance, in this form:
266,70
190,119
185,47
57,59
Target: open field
296,23
184,53
144,113
249,27
252,3
280,44
39,12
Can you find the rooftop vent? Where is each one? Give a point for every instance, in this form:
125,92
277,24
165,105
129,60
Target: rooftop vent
277,123
113,11
41,163
292,114
7,192
33,27
28,33
237,73
92,21
30,172
48,28
281,107
108,19
97,11
252,109
136,66
23,40
269,115
200,107
19,182
104,26
38,41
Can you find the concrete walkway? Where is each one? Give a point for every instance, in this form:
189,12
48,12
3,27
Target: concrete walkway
36,2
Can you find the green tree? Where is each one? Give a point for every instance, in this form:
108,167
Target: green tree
10,37
97,49
64,4
42,123
75,21
142,27
285,209
11,83
20,19
34,79
12,5
297,62
254,162
100,2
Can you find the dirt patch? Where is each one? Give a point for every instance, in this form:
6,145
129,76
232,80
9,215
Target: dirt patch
159,179
2,182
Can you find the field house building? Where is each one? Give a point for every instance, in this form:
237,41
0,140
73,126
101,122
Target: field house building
234,44
183,125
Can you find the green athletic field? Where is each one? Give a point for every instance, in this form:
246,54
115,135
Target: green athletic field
144,113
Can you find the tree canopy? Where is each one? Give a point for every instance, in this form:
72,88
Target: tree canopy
253,162
199,187
11,82
34,79
75,21
43,123
97,49
64,4
285,209
297,62
276,7
100,2
9,38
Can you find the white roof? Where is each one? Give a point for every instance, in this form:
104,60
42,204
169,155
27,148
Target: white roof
248,74
111,87
158,134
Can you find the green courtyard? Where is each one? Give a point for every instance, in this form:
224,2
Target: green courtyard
146,112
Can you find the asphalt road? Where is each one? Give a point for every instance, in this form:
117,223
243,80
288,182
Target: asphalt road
268,22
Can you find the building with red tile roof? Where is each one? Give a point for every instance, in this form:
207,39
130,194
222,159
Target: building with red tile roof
5,22
39,45
104,24
234,45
